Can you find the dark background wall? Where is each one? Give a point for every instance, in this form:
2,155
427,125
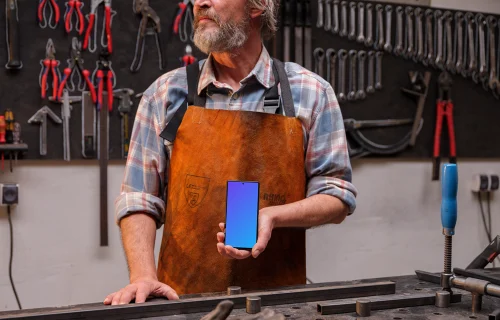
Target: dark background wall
476,111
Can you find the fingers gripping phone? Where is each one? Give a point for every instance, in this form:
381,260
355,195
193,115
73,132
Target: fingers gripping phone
242,214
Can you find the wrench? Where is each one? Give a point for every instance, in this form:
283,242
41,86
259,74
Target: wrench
352,21
319,23
328,15
439,36
319,57
379,44
378,71
361,22
343,19
398,49
429,41
342,74
353,55
459,22
361,94
493,82
410,43
388,25
369,25
371,72
450,63
483,68
472,67
336,24
331,64
420,35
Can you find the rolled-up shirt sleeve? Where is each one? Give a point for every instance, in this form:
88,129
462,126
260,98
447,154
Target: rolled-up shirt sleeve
143,186
327,162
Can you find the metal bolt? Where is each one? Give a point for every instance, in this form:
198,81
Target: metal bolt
363,307
253,305
233,290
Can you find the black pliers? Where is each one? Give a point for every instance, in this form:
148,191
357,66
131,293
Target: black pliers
150,25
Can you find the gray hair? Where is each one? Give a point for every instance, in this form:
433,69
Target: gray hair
269,17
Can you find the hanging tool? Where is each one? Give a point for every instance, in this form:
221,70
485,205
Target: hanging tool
104,74
184,19
74,6
149,26
75,66
93,22
444,109
9,126
13,42
2,137
66,107
188,57
40,117
299,39
125,107
308,55
419,89
88,126
287,17
49,64
54,13
449,188
360,146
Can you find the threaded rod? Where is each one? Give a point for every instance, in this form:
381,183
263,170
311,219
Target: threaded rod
447,254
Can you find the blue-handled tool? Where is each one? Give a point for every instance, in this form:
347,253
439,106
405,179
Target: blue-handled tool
449,186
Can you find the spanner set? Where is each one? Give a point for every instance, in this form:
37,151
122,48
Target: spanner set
462,43
347,70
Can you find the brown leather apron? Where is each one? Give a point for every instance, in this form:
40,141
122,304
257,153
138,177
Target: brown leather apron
211,147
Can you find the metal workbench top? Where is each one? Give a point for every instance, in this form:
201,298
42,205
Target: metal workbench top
405,285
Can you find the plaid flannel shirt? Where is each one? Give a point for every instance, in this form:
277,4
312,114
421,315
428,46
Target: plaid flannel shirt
327,163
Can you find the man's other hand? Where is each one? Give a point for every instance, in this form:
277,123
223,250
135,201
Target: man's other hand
266,225
139,290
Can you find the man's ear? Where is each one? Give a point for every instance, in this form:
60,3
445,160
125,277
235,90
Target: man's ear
254,12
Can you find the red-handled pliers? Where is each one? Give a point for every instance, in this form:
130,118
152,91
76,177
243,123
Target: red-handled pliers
42,20
104,74
76,61
444,108
185,13
49,64
74,6
107,26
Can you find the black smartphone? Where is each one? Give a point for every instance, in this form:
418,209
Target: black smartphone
242,214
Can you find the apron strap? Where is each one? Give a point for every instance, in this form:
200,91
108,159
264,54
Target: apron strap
271,98
193,73
286,91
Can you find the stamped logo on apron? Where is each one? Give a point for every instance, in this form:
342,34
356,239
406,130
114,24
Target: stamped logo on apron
195,189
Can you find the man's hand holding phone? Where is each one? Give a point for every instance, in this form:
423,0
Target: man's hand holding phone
265,228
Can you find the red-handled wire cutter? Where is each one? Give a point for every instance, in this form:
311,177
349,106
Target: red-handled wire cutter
76,62
444,109
54,9
49,64
184,13
74,6
108,15
104,75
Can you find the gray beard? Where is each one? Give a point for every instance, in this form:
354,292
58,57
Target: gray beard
227,37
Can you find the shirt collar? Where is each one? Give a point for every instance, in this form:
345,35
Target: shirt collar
262,72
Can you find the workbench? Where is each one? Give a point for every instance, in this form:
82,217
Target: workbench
289,305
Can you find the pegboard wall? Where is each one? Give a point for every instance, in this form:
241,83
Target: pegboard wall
20,90
476,110
475,114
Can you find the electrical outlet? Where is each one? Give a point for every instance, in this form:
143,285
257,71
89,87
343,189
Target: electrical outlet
9,193
494,182
480,183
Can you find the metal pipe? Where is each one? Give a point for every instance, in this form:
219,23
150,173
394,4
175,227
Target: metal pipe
477,302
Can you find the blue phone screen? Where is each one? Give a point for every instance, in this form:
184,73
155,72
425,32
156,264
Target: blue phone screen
242,209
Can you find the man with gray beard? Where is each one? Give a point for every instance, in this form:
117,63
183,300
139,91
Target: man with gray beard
237,115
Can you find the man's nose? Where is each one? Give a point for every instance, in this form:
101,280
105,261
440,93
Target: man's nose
203,3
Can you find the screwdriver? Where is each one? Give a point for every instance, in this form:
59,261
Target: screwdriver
449,186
